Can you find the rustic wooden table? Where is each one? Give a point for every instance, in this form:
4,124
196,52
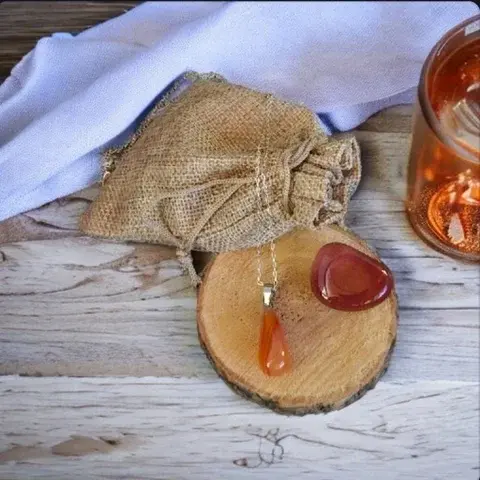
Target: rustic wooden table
103,376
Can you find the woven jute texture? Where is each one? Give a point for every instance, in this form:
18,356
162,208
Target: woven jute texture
187,178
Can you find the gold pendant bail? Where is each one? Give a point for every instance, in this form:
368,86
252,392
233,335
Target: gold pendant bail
268,295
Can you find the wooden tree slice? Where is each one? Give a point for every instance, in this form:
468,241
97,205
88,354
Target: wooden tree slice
337,356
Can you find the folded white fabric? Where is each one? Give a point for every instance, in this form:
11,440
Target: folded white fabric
73,96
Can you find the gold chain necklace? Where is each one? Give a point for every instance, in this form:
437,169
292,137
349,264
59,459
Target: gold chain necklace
269,289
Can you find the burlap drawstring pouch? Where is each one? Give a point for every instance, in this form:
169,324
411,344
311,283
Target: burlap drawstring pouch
187,177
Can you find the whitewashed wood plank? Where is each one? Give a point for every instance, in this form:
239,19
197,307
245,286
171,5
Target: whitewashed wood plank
72,269
62,214
392,120
78,306
431,345
58,219
436,345
191,429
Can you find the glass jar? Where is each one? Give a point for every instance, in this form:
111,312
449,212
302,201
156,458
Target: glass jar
443,192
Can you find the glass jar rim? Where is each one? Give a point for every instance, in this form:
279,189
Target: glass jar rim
423,98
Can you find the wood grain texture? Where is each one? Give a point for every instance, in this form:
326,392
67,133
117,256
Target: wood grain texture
22,24
75,306
165,428
337,356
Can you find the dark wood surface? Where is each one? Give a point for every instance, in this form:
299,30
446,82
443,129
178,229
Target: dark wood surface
22,24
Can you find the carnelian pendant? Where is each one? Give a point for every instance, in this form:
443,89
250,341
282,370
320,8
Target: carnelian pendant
345,279
273,355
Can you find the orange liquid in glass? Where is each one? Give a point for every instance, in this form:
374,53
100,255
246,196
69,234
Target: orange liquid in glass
444,176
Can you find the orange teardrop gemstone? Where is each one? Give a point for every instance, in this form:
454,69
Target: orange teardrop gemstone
273,354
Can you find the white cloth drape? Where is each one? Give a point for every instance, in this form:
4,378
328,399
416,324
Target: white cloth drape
72,96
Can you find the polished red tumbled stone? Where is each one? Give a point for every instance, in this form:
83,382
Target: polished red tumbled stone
345,279
273,354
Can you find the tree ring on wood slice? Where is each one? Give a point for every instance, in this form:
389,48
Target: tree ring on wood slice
337,355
